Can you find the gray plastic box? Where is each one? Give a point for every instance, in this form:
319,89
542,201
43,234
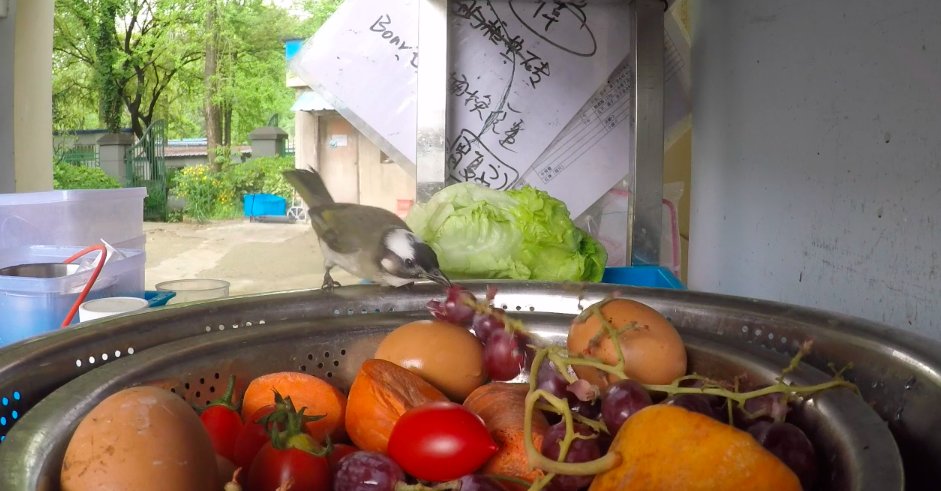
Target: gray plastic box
73,218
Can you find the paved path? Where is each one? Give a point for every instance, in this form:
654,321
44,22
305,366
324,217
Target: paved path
253,257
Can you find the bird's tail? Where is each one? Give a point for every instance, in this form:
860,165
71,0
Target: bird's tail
310,186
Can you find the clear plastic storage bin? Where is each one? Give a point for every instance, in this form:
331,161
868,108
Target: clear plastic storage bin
73,218
31,306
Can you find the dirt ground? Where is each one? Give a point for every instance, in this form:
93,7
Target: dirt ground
253,257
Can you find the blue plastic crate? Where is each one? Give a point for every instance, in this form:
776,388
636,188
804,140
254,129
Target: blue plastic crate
644,276
255,205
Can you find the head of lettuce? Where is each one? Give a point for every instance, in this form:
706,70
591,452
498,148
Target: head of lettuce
521,234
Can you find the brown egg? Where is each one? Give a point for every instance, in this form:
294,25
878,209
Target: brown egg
447,356
142,438
653,351
226,469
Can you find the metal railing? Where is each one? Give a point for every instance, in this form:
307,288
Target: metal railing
146,166
85,155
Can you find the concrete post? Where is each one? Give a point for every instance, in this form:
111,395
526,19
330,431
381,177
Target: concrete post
306,138
267,141
25,105
111,149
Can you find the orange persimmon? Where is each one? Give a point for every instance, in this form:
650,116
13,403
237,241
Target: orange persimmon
381,392
664,447
306,391
502,407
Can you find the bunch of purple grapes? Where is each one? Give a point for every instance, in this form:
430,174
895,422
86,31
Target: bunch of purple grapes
615,404
373,471
764,418
505,352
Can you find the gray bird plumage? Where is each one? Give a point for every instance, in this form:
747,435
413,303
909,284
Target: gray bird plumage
369,242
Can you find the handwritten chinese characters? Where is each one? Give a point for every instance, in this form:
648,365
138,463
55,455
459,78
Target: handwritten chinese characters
479,104
563,24
470,160
484,18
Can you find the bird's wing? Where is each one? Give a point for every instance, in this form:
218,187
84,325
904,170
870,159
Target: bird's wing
346,227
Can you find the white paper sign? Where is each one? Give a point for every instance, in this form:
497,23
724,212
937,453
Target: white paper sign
336,141
521,71
593,151
363,61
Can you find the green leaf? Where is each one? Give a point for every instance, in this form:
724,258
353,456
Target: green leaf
524,234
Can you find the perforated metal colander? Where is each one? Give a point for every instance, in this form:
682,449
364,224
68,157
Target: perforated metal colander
193,348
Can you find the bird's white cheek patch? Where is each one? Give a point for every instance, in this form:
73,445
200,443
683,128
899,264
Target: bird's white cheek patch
400,242
387,264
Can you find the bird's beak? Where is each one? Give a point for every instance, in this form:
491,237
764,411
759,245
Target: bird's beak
438,277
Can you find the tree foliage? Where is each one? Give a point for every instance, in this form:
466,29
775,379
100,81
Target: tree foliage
134,49
129,62
244,67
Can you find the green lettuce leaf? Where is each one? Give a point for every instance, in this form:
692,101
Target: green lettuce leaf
522,234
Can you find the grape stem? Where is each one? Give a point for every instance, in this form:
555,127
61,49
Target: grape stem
591,423
537,459
444,486
510,479
510,324
563,361
610,330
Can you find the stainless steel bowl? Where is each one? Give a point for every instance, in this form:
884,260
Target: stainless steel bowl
858,451
898,373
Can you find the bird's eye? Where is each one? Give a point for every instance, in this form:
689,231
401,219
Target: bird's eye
409,262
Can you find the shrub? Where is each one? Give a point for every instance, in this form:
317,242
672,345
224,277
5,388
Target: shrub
261,175
70,176
207,194
218,195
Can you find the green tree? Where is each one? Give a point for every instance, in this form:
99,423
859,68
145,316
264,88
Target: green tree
211,82
107,74
135,48
74,102
151,63
244,67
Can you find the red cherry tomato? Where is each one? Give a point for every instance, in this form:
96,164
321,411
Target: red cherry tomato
252,437
223,423
440,441
339,451
223,426
291,468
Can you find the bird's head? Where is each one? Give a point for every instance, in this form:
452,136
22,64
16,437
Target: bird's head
406,258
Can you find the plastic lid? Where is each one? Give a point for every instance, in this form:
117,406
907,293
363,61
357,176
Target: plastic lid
41,197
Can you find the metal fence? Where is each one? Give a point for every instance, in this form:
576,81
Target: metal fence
145,163
86,155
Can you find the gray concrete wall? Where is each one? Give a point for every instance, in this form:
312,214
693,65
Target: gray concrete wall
817,155
7,173
383,184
